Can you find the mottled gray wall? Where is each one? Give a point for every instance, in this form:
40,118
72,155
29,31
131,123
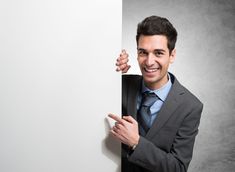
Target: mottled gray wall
205,65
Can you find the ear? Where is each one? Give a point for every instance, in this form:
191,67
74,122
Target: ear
172,55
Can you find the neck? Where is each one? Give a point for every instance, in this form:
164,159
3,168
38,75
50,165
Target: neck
157,85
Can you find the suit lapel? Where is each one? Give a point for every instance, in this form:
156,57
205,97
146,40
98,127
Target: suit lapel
169,106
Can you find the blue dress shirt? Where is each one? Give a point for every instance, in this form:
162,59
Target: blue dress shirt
161,93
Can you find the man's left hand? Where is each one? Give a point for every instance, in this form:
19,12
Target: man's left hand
125,130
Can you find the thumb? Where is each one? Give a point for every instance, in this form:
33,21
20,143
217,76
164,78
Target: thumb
129,119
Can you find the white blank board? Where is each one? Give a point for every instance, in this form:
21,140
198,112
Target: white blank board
57,85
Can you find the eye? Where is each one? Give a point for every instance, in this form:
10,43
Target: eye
158,53
142,53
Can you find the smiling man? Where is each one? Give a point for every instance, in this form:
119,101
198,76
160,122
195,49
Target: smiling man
160,117
154,58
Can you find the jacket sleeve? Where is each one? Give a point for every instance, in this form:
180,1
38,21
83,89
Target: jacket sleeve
151,157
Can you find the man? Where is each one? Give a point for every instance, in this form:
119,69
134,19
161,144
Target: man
160,117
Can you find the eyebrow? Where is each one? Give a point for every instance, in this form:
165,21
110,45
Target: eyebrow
142,49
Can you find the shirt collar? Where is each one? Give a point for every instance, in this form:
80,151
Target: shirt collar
161,92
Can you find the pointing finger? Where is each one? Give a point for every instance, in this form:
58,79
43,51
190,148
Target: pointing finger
116,118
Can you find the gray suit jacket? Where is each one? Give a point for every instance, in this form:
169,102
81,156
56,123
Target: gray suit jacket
168,145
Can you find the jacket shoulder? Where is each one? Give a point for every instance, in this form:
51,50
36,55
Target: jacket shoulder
191,98
130,78
187,97
131,81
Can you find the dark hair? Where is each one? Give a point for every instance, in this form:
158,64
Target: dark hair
155,25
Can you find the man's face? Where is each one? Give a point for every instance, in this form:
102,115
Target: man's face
154,59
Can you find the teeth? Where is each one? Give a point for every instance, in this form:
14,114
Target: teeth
151,70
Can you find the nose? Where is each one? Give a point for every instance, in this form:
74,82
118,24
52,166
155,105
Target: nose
150,59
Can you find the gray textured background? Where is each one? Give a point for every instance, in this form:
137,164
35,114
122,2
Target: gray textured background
205,65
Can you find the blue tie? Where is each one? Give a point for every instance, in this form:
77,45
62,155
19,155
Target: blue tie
144,113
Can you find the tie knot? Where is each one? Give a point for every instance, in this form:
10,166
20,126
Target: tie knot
149,98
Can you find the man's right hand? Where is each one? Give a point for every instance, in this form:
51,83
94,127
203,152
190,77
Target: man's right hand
122,61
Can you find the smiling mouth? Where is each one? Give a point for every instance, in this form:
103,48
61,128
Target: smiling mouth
150,70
